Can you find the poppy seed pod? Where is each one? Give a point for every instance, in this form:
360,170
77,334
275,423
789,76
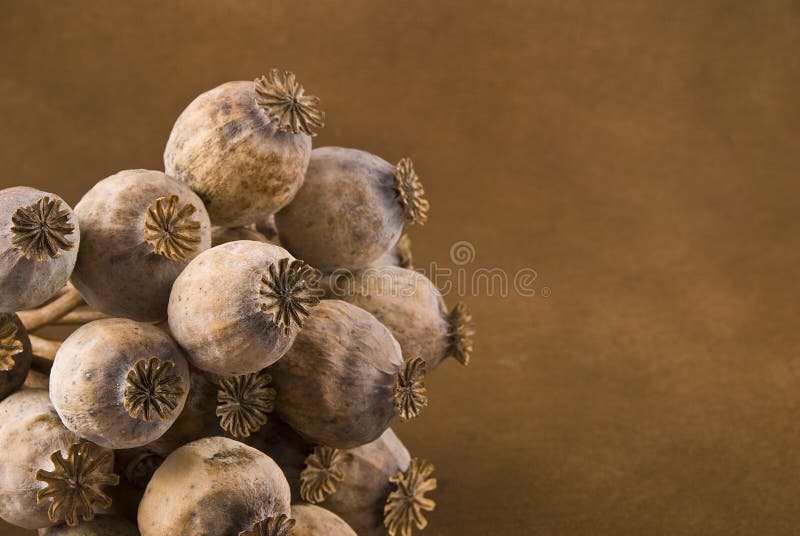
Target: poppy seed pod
139,230
214,486
344,379
39,238
102,525
119,383
410,305
15,354
223,235
238,307
312,520
376,488
244,146
400,255
49,475
351,208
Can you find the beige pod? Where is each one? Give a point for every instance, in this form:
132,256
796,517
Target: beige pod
312,520
214,486
15,354
400,255
223,235
376,488
102,525
344,380
139,230
351,209
238,307
39,238
48,474
244,146
119,383
410,305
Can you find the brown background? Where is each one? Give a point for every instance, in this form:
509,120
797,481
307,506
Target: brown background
640,156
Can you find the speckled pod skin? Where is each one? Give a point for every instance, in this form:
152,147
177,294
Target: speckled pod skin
118,271
223,235
346,215
215,310
31,431
226,149
360,496
15,350
27,282
90,381
335,385
102,525
407,303
312,520
214,486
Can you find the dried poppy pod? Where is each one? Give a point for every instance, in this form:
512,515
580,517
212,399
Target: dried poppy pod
139,230
277,440
214,486
50,476
410,305
102,525
119,383
39,239
400,255
244,146
312,520
344,380
15,354
351,209
376,488
238,307
223,235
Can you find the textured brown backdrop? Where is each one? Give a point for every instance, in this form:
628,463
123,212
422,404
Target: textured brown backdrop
640,156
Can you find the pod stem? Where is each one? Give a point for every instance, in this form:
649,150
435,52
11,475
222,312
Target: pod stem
44,352
461,333
405,505
80,316
410,395
65,301
410,193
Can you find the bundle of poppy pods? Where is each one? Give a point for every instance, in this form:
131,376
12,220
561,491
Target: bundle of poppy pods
217,384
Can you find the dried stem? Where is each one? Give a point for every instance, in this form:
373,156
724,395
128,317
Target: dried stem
64,302
82,315
44,352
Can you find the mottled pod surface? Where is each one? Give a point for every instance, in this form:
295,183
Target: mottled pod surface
238,307
102,525
214,486
228,149
32,432
223,235
15,354
139,230
335,386
312,520
119,383
347,213
39,239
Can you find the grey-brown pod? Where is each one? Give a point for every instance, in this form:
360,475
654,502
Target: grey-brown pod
139,230
223,235
238,307
377,488
344,380
47,467
410,305
39,239
102,525
400,255
244,146
266,226
119,383
214,486
351,209
312,520
15,354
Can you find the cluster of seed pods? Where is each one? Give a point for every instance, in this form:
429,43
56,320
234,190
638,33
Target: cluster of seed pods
216,383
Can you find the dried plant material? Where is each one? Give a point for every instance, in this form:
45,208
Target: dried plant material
410,193
168,227
317,521
40,230
243,403
405,505
152,387
461,333
405,259
139,470
409,389
52,311
75,484
289,290
10,344
284,100
273,526
322,472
